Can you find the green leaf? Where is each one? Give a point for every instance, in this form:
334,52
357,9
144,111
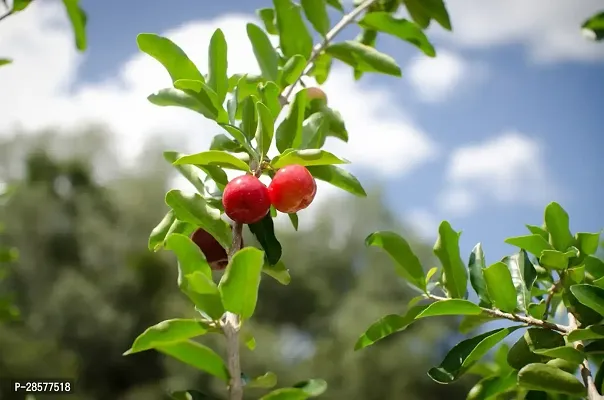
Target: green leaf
266,381
292,70
595,26
218,79
399,27
564,352
192,208
206,96
289,132
172,57
364,58
190,172
306,157
267,15
587,243
321,68
537,230
316,12
294,37
523,353
239,284
278,272
476,265
406,263
500,286
590,296
589,333
5,61
189,255
534,244
523,275
177,98
537,310
337,4
198,356
490,387
388,325
20,5
222,142
550,379
314,131
265,129
240,137
312,387
554,259
249,116
464,354
78,19
181,227
446,249
594,266
264,231
423,11
450,307
339,178
293,217
214,157
286,394
270,94
557,224
168,332
265,53
159,233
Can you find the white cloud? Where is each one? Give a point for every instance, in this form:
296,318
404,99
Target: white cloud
41,90
509,168
549,30
423,222
436,79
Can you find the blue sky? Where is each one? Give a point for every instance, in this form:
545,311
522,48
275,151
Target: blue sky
507,118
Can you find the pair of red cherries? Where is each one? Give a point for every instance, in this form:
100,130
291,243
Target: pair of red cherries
247,200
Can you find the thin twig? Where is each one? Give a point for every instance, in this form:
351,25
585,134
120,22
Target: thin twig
550,295
318,49
592,390
518,318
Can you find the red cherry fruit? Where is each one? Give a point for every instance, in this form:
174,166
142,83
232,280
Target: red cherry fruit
292,189
245,199
215,254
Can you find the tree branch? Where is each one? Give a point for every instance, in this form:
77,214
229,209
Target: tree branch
517,318
592,390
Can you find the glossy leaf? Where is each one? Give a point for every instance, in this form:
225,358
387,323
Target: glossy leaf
218,79
193,208
214,157
407,265
595,26
490,387
500,286
240,137
388,325
461,357
594,266
307,157
5,61
190,172
523,353
537,310
446,249
265,53
177,98
278,272
78,19
20,5
398,27
550,379
587,243
364,58
523,275
450,307
286,394
267,15
168,332
239,284
557,224
423,11
294,37
563,352
316,13
206,96
339,178
293,217
537,230
159,233
590,296
266,381
222,142
554,259
271,94
314,131
534,244
198,356
289,132
292,70
264,231
321,68
589,333
265,129
337,4
172,57
312,387
476,265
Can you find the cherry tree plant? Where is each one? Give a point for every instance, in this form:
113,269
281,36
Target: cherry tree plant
204,230
563,280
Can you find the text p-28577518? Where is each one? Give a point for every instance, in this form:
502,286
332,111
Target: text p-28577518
33,386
